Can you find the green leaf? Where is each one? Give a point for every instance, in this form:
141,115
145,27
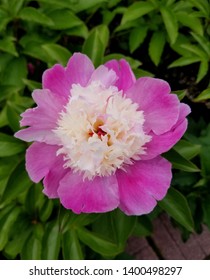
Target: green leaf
80,31
64,19
187,149
183,61
71,247
195,50
143,227
14,6
4,19
137,10
7,45
15,72
203,42
190,21
51,241
32,84
13,117
156,46
10,146
46,210
5,224
136,37
17,184
57,53
96,43
142,73
97,243
205,161
204,95
82,5
34,15
6,91
203,70
180,93
32,249
123,226
176,205
22,229
170,22
179,162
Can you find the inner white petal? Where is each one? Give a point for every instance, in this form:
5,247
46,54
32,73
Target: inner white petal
100,130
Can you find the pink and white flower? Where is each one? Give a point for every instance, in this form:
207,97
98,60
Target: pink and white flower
98,135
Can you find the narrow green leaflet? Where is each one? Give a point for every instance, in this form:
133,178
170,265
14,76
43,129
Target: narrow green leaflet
203,70
156,46
78,6
137,37
123,225
14,72
13,116
187,149
98,243
137,10
32,84
71,246
64,19
4,19
6,223
32,249
205,161
143,227
183,61
176,205
180,93
7,45
14,6
96,44
170,22
57,53
179,162
18,183
195,50
35,15
51,241
204,95
203,42
10,146
190,21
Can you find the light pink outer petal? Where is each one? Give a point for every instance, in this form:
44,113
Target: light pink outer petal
161,109
59,79
104,75
125,75
96,196
54,176
42,119
40,158
42,162
162,143
142,184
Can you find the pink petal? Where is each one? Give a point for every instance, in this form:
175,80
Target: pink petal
54,176
59,79
161,109
142,184
104,75
88,196
79,69
162,143
125,75
56,80
40,158
42,119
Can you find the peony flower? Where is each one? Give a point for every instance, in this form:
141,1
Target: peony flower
98,135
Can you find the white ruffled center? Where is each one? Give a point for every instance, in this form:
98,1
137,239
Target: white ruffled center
100,130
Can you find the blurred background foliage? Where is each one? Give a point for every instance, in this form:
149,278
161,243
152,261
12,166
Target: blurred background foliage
167,39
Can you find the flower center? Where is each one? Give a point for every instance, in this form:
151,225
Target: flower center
100,130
